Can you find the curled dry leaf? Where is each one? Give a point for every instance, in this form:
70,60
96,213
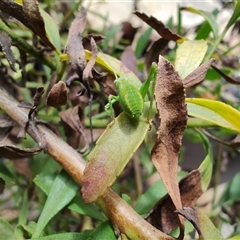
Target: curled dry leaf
160,27
170,102
197,75
57,95
74,46
5,43
163,216
14,152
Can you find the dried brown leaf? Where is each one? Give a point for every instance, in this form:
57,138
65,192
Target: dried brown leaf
157,48
163,216
32,13
197,75
160,27
87,72
129,60
58,95
74,46
170,102
14,152
5,43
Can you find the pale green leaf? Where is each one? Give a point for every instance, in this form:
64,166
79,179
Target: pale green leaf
214,111
189,56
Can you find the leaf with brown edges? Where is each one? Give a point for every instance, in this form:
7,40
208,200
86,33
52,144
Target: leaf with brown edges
170,102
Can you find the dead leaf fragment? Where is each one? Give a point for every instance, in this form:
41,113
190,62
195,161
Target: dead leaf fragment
170,102
58,95
197,75
160,27
5,43
14,152
74,46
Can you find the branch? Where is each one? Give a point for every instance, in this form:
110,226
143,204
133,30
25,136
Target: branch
124,219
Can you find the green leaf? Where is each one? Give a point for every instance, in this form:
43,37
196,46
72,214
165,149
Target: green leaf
103,231
235,15
7,231
189,56
214,111
205,28
23,216
105,163
206,166
209,17
62,192
142,42
91,210
44,181
51,30
85,235
232,191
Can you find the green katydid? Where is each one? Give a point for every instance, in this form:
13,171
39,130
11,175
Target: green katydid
130,97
